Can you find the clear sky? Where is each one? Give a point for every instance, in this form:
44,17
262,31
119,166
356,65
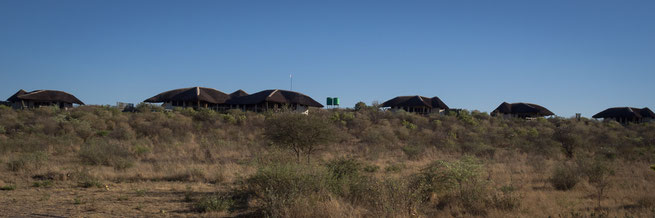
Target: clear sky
569,56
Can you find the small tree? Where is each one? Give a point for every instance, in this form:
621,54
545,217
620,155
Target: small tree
360,106
303,134
598,175
565,176
461,179
568,138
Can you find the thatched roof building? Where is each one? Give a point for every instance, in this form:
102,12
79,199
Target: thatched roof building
522,110
626,114
416,103
195,97
238,93
38,98
273,99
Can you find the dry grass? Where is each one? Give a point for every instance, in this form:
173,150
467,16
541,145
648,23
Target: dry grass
179,158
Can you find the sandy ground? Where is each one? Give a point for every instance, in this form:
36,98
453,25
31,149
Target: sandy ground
142,199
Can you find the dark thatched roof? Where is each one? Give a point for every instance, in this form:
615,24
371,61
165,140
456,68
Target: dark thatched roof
191,94
523,109
45,95
14,98
415,101
626,112
276,96
238,93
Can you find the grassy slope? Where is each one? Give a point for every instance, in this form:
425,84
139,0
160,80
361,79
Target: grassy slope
106,163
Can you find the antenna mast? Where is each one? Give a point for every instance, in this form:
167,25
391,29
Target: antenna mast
291,81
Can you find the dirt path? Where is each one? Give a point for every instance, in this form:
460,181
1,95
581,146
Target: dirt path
142,199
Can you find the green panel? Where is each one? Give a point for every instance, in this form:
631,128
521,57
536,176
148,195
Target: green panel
329,101
335,101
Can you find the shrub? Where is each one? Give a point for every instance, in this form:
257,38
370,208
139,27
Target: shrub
569,138
108,153
412,151
85,179
229,118
43,184
281,186
506,199
466,118
345,180
204,115
479,150
371,168
360,106
102,133
379,135
122,131
564,177
447,179
300,133
395,198
344,168
409,125
646,202
28,161
84,130
141,150
212,203
145,107
7,187
394,168
599,173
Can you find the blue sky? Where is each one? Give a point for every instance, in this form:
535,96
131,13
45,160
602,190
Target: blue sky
569,56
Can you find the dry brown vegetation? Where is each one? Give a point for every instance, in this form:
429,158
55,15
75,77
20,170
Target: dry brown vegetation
97,161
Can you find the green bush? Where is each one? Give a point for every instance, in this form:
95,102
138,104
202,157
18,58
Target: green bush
479,150
7,187
458,181
413,151
506,199
212,203
90,182
108,153
409,125
346,180
394,168
371,168
299,133
122,131
141,150
29,161
281,186
379,135
43,184
599,173
344,168
565,177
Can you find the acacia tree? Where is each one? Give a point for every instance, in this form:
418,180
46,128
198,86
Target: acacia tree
568,137
360,106
302,134
599,176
